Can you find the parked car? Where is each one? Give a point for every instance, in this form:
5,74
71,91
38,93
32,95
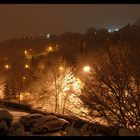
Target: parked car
29,120
6,116
49,123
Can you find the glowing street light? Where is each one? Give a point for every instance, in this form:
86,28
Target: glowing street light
25,52
21,97
23,78
86,69
61,68
26,66
7,66
50,49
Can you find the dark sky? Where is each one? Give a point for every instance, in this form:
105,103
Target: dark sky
17,20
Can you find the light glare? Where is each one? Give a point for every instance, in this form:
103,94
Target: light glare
23,78
7,66
61,68
50,49
86,69
26,66
25,52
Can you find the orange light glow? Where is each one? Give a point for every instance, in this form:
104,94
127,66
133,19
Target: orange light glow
23,78
61,68
7,66
26,66
86,69
50,49
25,52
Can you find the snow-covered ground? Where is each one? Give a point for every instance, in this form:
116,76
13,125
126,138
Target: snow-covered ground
16,116
15,113
69,131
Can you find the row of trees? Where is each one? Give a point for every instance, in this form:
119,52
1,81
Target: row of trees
55,87
113,89
69,43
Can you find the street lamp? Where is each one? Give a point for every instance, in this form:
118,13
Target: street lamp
61,68
23,78
7,66
26,66
25,52
86,69
50,49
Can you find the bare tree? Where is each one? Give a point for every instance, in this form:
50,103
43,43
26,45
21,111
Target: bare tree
113,89
54,84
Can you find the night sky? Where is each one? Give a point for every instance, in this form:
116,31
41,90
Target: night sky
32,19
